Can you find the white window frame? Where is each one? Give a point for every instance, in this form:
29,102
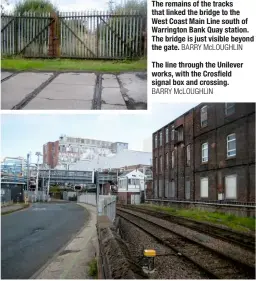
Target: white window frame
203,116
172,133
160,138
166,135
228,107
201,180
229,151
173,159
156,139
180,131
155,187
187,187
204,158
161,164
172,189
166,185
188,154
226,178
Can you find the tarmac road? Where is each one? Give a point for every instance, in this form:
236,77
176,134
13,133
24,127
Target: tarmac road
32,236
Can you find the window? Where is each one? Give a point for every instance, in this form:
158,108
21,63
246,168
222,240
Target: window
204,188
166,135
173,159
156,164
135,182
180,133
166,184
161,189
166,160
231,145
161,139
187,189
205,152
229,108
204,116
188,155
155,141
155,189
172,189
161,164
231,187
173,133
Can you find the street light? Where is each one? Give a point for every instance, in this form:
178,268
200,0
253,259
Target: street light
48,188
38,154
28,172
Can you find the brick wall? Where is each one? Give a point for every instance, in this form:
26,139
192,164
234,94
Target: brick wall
51,154
240,122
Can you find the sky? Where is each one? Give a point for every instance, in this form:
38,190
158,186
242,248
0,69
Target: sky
24,133
73,6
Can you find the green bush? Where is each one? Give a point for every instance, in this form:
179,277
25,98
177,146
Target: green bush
93,268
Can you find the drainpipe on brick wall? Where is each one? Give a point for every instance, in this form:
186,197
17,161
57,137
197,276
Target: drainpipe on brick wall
193,146
247,156
177,164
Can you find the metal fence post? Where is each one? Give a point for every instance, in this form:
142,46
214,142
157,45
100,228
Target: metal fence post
16,40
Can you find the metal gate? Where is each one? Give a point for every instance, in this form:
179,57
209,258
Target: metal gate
88,35
101,35
26,34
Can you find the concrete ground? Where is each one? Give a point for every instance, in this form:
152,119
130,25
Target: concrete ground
72,261
74,90
33,236
12,208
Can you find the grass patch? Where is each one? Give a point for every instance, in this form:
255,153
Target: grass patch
93,268
71,65
231,221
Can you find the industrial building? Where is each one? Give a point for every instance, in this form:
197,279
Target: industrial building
207,154
121,160
68,150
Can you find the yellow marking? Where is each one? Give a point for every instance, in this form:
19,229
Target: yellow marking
149,253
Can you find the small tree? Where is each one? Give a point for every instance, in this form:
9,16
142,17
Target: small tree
4,3
130,7
36,6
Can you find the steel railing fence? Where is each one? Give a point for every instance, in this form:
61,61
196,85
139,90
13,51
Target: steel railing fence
89,34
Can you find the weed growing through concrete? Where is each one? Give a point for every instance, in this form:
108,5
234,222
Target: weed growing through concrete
93,269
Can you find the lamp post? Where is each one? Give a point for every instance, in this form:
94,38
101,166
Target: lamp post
38,154
28,172
48,187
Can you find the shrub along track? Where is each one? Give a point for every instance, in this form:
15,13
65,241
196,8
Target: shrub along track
240,239
211,261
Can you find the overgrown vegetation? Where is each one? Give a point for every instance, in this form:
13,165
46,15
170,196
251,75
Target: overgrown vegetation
66,64
231,221
93,268
55,189
36,6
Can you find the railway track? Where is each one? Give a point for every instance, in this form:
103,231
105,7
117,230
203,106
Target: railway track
240,239
214,263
